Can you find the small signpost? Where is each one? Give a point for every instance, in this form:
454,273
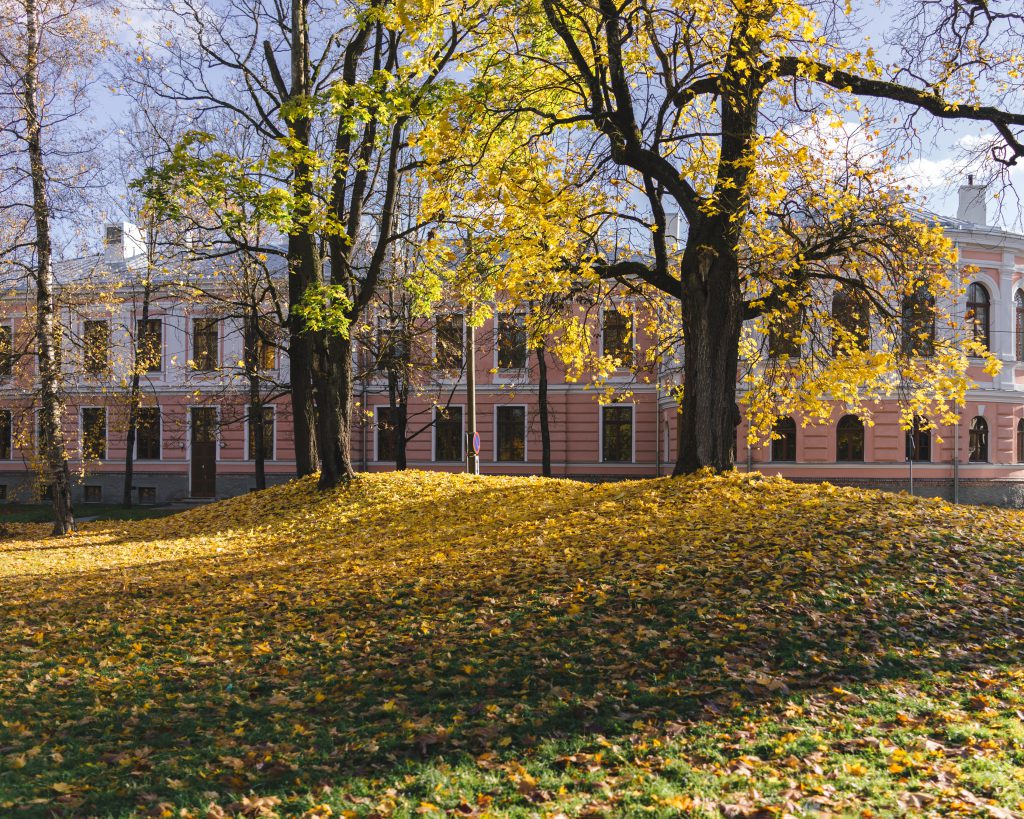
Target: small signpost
474,445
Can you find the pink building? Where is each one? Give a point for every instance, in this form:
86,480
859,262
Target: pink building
194,438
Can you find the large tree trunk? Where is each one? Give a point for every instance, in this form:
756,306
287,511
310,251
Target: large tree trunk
712,315
332,374
542,411
712,298
303,263
51,403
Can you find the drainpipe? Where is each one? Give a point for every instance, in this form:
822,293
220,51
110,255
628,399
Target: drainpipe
366,462
910,460
956,426
956,458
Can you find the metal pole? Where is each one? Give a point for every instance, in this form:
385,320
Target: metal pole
472,461
913,454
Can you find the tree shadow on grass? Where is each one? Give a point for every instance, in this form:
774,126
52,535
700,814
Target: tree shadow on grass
282,664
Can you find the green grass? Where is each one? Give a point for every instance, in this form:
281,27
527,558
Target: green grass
422,644
43,512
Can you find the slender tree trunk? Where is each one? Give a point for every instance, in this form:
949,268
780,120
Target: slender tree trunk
51,401
398,401
135,395
542,411
250,341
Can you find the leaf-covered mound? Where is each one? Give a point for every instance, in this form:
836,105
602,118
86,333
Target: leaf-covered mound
419,643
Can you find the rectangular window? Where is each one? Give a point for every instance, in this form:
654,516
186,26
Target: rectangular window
387,442
149,335
6,351
6,434
511,433
205,338
147,494
147,434
389,347
268,433
616,335
266,349
448,434
450,342
93,493
96,346
511,341
617,434
94,433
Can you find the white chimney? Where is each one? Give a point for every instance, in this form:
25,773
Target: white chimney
673,226
122,240
972,203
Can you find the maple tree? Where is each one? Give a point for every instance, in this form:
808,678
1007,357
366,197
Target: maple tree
734,115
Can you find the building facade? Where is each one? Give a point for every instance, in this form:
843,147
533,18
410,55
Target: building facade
195,439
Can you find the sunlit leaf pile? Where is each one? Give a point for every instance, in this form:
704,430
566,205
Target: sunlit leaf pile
429,644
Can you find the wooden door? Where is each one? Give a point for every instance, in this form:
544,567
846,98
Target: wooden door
204,452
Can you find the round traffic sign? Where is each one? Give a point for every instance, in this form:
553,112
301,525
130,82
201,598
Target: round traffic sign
476,443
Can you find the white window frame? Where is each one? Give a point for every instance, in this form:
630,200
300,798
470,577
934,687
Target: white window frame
160,436
632,336
462,435
600,432
162,318
10,331
81,431
190,352
433,346
526,433
507,371
248,423
376,433
10,431
110,344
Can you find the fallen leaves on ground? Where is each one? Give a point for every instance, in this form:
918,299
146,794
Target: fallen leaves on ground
429,644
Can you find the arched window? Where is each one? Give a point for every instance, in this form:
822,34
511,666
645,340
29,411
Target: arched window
784,446
1020,441
852,317
850,439
1018,311
978,314
917,321
919,441
977,440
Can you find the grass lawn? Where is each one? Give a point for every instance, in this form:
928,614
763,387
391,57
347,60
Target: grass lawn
427,644
43,512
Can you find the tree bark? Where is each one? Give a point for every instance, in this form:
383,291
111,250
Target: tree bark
333,395
303,262
712,317
542,411
51,401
